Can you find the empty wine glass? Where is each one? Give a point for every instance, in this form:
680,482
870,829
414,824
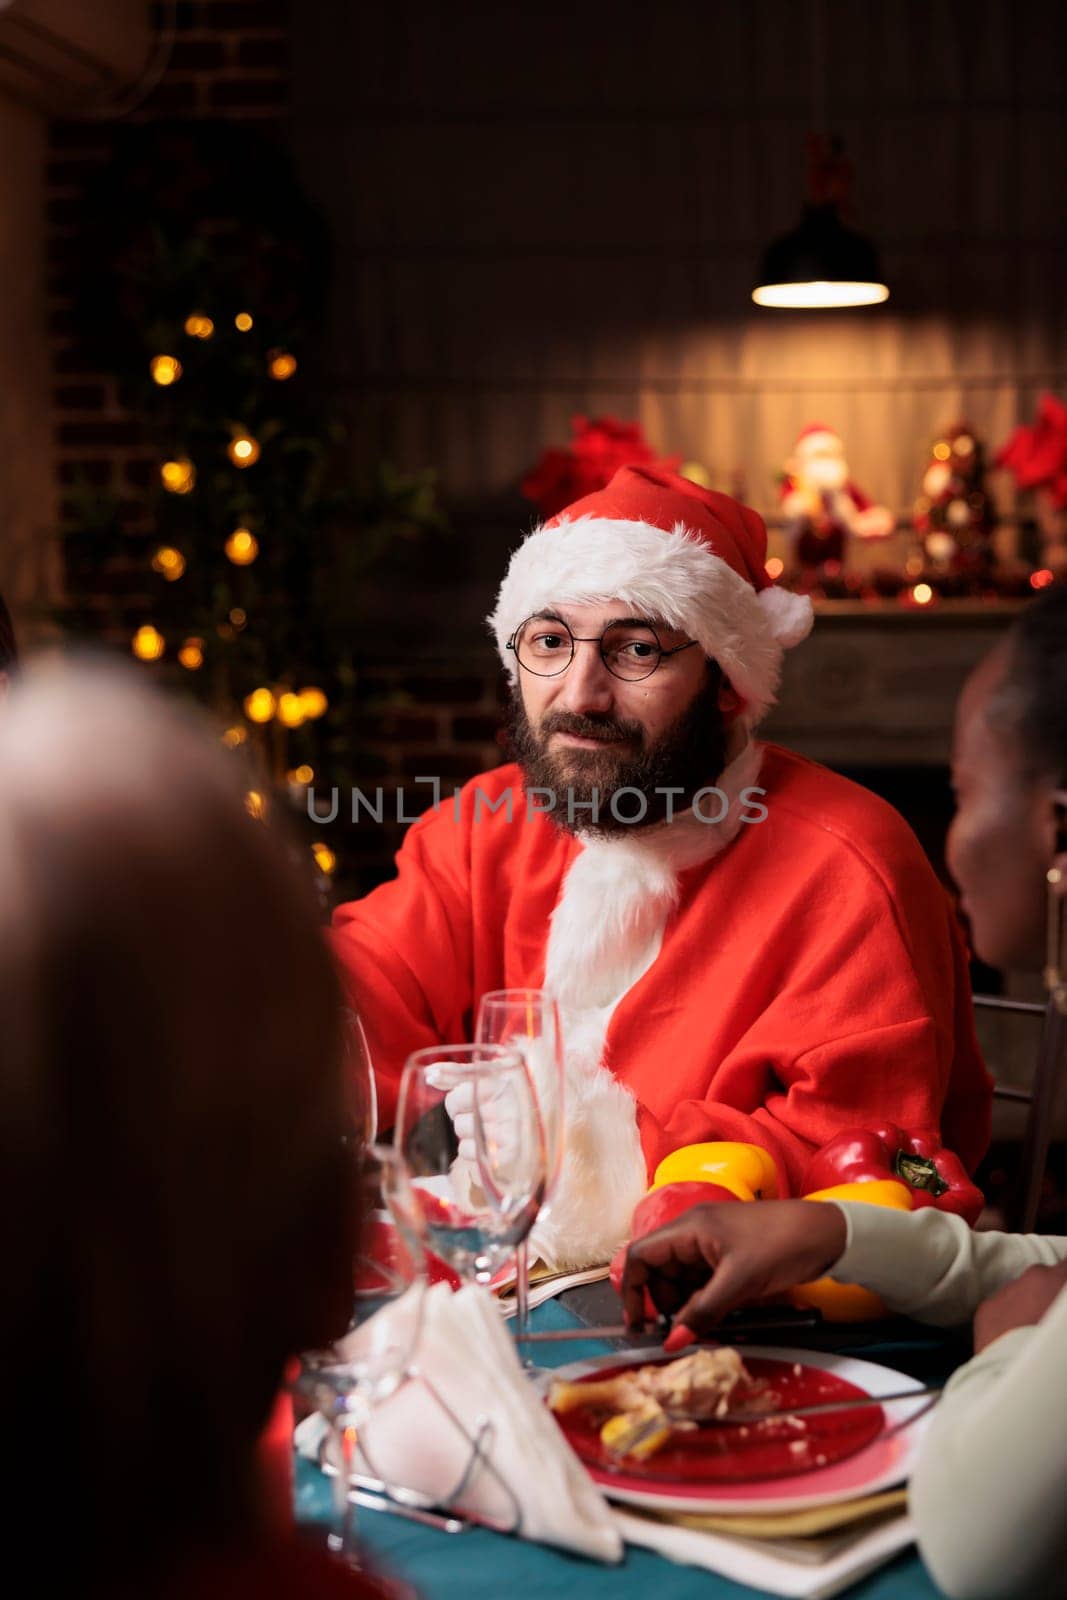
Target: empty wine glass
528,1020
360,1089
345,1383
468,1128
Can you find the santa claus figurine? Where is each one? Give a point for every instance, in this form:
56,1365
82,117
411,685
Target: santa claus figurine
822,505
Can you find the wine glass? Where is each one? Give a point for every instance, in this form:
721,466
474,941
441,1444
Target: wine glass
361,1093
469,1131
528,1020
346,1382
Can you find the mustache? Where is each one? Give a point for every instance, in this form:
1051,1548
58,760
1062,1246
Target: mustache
606,728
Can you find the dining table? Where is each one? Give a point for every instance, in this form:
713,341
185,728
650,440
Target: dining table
478,1564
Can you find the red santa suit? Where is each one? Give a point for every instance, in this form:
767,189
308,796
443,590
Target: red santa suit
788,971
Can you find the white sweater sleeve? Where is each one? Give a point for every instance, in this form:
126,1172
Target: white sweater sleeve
987,1496
932,1266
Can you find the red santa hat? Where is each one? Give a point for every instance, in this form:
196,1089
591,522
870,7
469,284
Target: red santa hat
674,552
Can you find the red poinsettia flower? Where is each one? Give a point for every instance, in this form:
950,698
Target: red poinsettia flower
600,446
1037,455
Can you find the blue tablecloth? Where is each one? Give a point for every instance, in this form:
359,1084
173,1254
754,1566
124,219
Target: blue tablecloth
477,1565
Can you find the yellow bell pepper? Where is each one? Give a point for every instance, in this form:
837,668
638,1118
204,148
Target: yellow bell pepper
849,1302
745,1170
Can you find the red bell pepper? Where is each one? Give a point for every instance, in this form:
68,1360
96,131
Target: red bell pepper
660,1206
915,1157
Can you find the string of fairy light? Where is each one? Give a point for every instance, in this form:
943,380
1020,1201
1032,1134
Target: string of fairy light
289,706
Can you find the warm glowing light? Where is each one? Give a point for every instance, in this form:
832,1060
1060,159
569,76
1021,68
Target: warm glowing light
325,859
259,705
168,562
774,567
191,654
234,737
301,774
242,547
198,326
148,643
178,477
255,805
942,450
922,594
913,566
1042,578
822,294
165,370
291,709
243,450
314,703
243,321
238,617
281,365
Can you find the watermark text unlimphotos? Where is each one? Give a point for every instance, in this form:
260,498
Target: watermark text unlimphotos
628,807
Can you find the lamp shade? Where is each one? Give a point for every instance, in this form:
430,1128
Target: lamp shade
820,264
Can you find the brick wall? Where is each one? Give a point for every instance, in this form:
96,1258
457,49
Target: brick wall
231,59
439,720
227,58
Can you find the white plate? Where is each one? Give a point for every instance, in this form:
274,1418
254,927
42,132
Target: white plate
888,1460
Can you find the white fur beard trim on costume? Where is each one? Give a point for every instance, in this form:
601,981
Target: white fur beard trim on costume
606,932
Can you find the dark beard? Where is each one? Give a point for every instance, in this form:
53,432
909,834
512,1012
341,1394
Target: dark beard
689,756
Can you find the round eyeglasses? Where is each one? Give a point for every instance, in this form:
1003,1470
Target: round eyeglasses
629,650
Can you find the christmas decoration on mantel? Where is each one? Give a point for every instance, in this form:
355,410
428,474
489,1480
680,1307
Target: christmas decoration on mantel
821,505
1036,455
233,570
599,447
954,515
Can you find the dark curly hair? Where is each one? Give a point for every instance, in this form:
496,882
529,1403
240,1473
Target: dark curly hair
1036,683
9,655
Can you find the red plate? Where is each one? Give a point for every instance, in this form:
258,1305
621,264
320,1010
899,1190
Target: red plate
773,1448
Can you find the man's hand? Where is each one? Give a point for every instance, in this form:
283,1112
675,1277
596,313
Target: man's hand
716,1257
1019,1304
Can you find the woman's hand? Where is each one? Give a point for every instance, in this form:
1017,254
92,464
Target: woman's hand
1019,1304
716,1257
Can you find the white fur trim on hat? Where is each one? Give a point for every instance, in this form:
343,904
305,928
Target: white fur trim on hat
672,577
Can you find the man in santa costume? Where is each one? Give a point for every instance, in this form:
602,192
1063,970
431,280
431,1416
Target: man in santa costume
772,964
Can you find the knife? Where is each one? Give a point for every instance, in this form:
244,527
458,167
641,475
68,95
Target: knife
848,1403
619,1330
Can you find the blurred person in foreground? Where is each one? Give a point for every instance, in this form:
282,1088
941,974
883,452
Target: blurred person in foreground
9,655
987,1496
174,1189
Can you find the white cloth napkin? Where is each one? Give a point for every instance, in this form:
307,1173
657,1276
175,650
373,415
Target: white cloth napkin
467,1356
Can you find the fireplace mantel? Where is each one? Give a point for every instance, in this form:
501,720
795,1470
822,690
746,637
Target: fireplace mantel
877,684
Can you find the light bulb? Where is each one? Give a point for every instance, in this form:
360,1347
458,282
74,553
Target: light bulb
281,365
314,703
291,710
165,370
243,450
178,476
168,562
822,294
242,547
325,859
148,643
191,654
259,705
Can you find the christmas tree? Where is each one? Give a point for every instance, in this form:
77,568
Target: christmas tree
236,569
